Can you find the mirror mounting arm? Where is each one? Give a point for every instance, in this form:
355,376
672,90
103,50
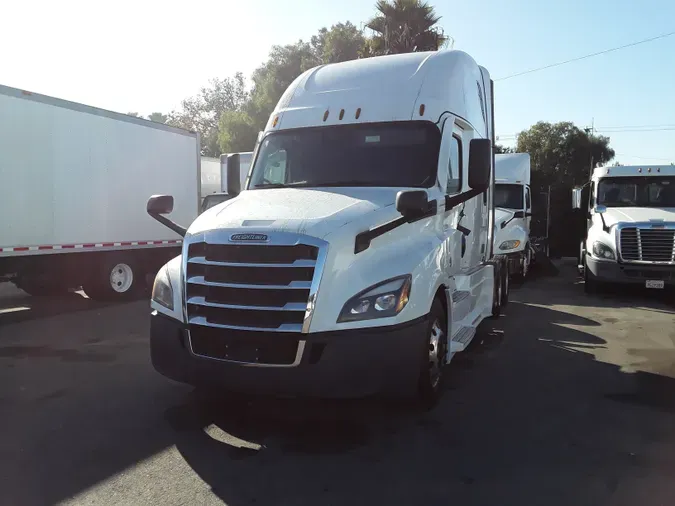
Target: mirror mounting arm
169,224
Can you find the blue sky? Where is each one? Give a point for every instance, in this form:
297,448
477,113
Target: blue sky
147,55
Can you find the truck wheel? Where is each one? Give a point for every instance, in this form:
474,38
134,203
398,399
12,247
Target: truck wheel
38,286
591,285
115,279
433,359
498,290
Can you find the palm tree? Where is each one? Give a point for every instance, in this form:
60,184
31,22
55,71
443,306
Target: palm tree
405,26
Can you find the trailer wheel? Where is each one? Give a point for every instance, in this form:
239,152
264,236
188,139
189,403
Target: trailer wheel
116,278
498,290
433,359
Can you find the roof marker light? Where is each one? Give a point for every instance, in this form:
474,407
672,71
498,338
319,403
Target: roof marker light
342,113
658,169
422,110
325,115
358,113
276,120
640,169
649,169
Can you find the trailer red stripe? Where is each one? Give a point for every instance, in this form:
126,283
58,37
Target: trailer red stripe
43,247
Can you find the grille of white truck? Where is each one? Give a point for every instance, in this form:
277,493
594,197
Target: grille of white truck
648,244
252,290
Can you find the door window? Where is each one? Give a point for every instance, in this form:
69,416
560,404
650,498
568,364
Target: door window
454,166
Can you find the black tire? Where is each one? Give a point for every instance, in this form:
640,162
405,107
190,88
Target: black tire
41,287
591,285
430,383
497,290
120,270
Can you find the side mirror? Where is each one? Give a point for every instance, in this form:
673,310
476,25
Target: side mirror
600,209
480,162
233,176
163,204
412,203
160,204
519,214
214,199
576,198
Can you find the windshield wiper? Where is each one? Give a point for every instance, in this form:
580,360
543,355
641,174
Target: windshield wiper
280,185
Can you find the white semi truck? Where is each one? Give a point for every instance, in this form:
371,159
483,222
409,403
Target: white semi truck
630,226
74,183
359,257
513,211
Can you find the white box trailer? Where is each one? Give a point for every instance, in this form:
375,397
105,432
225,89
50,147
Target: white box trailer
210,176
74,183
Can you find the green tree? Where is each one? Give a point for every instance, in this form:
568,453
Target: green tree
202,112
404,26
270,80
158,117
562,154
499,149
237,133
342,42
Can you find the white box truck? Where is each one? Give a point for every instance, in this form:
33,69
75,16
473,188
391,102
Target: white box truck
74,183
359,257
513,211
630,236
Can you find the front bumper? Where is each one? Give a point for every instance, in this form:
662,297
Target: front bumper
614,272
342,364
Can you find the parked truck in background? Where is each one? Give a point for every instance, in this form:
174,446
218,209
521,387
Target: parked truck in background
218,171
513,211
74,183
359,257
630,234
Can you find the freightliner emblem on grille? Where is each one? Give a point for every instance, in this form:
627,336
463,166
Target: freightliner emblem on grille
249,237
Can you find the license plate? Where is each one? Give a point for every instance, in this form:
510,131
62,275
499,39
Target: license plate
655,283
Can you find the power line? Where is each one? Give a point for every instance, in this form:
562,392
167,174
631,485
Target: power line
643,157
651,39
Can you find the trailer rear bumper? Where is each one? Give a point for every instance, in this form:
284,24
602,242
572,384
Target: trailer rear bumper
614,272
344,364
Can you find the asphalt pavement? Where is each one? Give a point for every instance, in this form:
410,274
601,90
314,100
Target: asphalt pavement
567,399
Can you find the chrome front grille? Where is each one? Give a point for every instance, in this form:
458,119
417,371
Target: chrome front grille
249,286
647,244
251,303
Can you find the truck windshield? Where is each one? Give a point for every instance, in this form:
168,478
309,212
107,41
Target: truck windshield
401,154
509,196
645,191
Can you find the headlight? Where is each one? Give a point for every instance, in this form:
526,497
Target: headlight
601,250
379,301
162,293
509,245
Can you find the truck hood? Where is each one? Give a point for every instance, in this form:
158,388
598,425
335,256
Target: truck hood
315,212
501,215
616,215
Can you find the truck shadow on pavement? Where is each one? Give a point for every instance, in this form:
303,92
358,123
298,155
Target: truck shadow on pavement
526,418
17,306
